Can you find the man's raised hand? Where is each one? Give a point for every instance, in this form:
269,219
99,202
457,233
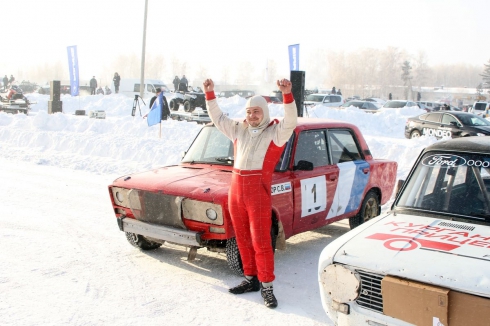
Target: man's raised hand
285,86
208,85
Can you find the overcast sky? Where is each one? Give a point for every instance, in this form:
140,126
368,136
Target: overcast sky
219,32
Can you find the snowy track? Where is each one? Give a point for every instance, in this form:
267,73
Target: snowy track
66,262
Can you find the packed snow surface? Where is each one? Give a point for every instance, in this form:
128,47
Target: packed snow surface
64,260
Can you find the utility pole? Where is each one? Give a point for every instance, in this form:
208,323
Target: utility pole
142,80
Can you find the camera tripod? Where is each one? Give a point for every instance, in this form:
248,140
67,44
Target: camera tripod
136,103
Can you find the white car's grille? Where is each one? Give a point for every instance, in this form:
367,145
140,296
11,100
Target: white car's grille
370,296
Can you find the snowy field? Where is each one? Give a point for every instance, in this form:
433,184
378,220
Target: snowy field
64,260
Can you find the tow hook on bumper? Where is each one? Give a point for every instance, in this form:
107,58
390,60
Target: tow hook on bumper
170,234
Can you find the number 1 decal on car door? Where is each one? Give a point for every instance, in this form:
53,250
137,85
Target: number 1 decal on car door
313,195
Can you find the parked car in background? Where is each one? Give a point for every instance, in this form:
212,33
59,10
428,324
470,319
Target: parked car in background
364,105
272,99
398,104
131,87
447,124
376,100
429,106
426,262
354,97
481,109
329,100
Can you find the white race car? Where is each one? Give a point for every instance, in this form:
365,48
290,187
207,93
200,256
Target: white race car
427,262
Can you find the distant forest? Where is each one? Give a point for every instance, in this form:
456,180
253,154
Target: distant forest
355,71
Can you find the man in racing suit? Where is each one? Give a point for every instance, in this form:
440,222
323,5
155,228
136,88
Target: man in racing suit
258,145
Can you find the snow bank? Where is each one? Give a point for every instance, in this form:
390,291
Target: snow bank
122,144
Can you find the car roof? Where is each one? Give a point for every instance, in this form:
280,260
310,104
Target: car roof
455,113
315,123
464,144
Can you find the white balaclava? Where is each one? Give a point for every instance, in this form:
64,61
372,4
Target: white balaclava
259,101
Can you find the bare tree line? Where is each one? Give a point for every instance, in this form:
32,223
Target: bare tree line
364,72
375,72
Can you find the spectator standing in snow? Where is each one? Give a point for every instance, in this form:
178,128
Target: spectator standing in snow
5,82
93,85
176,83
333,90
117,81
259,143
339,92
11,80
183,84
165,110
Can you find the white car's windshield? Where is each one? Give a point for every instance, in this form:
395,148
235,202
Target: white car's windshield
449,183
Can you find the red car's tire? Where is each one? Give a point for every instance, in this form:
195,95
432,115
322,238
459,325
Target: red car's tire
370,208
141,242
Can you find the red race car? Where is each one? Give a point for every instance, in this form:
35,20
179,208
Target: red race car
326,173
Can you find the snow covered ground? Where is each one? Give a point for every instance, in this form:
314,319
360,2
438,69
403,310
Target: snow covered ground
64,260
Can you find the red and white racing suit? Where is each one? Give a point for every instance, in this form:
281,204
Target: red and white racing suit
257,151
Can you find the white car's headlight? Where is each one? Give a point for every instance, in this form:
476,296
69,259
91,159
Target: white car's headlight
340,283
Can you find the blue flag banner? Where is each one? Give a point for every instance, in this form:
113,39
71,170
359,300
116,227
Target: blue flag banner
73,66
293,57
155,114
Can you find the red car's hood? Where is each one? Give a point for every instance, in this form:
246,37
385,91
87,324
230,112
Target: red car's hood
198,182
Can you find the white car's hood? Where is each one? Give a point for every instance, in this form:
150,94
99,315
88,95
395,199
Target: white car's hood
450,254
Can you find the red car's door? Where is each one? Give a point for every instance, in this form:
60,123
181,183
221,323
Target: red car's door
314,182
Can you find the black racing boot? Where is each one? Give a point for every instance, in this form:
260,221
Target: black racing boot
270,300
249,285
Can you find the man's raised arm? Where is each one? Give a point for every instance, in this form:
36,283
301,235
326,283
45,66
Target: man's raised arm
221,121
290,120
